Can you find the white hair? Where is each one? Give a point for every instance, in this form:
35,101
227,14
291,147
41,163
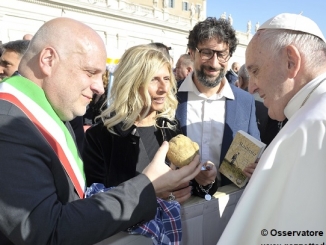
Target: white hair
312,48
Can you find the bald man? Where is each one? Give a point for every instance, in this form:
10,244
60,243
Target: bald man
232,74
27,37
41,178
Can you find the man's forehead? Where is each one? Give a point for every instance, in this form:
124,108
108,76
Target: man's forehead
212,41
9,52
9,56
252,57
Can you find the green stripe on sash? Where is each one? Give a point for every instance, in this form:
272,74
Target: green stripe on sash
37,94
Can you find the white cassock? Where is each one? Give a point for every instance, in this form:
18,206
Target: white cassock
286,196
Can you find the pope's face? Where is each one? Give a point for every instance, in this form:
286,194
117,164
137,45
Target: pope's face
269,78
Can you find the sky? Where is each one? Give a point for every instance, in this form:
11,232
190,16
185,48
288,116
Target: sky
261,10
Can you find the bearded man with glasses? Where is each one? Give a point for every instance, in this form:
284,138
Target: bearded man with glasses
211,111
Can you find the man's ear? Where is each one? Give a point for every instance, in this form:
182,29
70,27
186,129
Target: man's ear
192,53
293,60
47,60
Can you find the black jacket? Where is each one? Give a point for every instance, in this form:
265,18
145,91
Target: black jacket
112,159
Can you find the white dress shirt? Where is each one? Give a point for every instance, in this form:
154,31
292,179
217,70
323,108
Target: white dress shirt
206,119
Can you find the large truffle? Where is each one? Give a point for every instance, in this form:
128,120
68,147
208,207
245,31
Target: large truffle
182,150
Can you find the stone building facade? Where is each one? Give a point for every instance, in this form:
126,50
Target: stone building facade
120,23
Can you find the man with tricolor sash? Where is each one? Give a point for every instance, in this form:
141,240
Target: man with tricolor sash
41,179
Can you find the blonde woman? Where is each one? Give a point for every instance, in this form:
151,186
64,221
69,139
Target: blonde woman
139,118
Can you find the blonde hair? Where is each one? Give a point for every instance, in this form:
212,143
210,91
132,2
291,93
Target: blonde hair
136,69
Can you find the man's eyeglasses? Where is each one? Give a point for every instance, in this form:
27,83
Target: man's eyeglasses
207,54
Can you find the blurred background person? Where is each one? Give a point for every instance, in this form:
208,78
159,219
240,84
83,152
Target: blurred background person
1,50
243,78
164,49
27,37
12,53
232,74
184,66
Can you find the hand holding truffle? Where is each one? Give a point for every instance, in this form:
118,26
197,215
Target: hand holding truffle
181,152
163,177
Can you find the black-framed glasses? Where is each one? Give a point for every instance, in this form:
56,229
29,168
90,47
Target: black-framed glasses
207,54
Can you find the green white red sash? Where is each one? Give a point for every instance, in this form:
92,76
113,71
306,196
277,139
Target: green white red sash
31,99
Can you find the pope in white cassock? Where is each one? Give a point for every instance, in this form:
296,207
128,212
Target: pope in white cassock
285,199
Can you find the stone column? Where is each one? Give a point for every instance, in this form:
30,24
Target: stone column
2,29
166,14
202,13
122,40
121,4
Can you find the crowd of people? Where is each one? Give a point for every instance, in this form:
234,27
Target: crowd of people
53,86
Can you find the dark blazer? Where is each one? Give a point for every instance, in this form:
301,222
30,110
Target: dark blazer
268,127
261,117
239,115
39,204
111,159
231,77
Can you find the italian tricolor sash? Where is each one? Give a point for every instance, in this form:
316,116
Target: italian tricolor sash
31,99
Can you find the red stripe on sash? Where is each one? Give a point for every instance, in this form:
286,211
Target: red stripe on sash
53,143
